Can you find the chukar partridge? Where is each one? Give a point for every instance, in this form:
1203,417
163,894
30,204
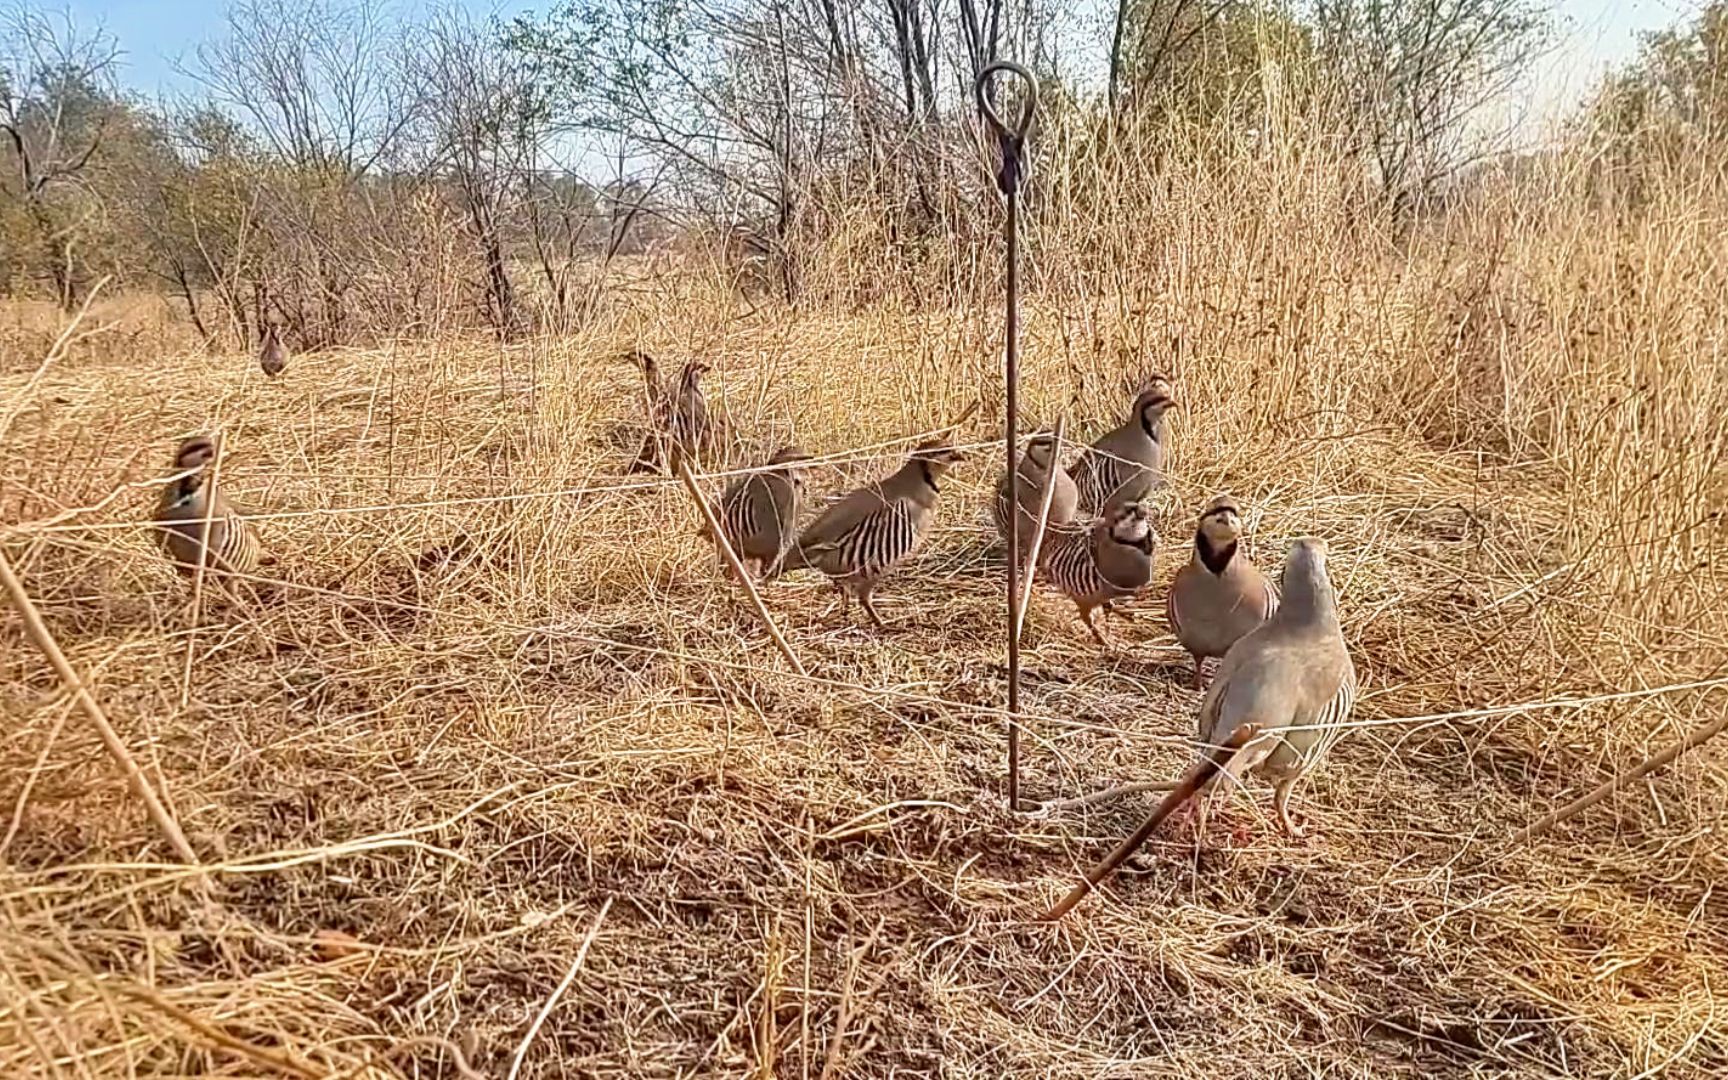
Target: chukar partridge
1220,595
272,356
1098,563
682,423
759,512
1038,466
191,508
859,539
1124,465
1281,699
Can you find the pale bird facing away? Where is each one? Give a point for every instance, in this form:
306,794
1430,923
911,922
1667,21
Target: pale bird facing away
272,356
1098,563
1219,596
1291,678
229,547
1281,699
758,512
1124,465
1038,466
859,539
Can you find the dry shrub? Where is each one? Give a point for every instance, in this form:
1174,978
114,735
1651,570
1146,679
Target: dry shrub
1509,423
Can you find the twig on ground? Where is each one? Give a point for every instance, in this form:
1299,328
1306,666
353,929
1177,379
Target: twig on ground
569,977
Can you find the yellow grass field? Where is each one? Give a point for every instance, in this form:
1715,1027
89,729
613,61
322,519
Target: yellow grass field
564,770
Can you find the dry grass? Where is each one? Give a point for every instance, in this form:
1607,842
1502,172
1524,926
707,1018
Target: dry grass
1511,430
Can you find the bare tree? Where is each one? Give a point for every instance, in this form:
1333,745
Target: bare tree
316,79
56,91
486,111
1413,71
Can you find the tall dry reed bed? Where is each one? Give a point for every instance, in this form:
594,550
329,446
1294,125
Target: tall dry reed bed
1508,421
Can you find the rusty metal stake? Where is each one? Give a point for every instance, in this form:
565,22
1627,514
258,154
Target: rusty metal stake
1012,142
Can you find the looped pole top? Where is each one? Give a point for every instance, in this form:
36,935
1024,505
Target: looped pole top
1011,140
1028,106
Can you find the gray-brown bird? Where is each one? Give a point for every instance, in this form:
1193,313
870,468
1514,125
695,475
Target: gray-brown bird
1038,463
758,512
859,539
1097,563
272,355
1281,699
230,548
682,422
1219,596
1124,465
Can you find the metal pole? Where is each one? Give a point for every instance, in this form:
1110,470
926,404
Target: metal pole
1012,142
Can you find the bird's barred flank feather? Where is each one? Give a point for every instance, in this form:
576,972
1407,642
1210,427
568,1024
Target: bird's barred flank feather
879,541
1100,478
1332,720
1071,562
197,523
232,549
739,513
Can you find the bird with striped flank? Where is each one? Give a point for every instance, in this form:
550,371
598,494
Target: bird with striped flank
1219,595
758,512
1038,466
191,510
1097,563
1281,700
860,539
1126,464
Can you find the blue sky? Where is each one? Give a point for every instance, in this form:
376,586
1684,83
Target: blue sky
154,33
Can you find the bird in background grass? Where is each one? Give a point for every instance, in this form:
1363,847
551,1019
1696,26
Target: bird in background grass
860,539
1219,595
680,420
272,354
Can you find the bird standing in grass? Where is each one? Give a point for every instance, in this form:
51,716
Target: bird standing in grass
758,512
859,539
1098,563
1124,465
272,355
191,509
1219,595
680,418
1281,700
1038,465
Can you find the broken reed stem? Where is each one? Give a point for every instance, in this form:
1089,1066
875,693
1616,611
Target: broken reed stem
558,992
957,423
281,1060
737,565
843,1014
1190,785
1139,787
1030,571
1643,768
39,633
